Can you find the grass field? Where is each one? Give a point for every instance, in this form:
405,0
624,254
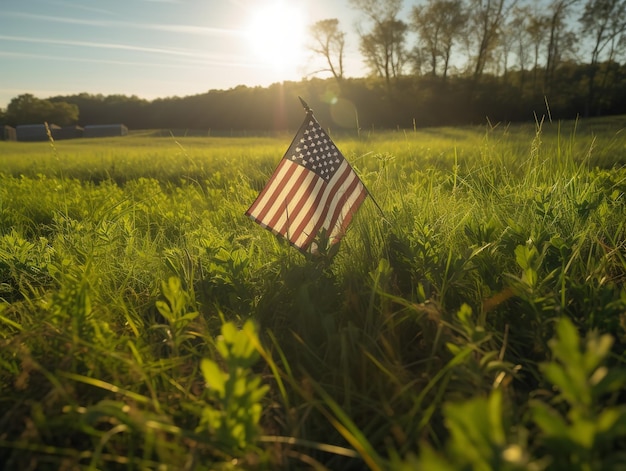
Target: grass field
146,323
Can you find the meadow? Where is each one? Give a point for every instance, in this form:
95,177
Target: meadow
479,323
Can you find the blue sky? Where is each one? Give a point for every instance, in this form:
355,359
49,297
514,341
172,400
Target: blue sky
157,48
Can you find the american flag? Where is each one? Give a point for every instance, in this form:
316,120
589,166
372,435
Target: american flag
312,194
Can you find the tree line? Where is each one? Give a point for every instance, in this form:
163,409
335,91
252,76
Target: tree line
479,39
446,62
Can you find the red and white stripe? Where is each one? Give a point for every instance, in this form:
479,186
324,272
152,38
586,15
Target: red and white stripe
297,204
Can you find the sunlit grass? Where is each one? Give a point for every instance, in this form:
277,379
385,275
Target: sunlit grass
434,338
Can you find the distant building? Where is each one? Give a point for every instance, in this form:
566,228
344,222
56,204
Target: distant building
35,132
68,132
7,133
105,130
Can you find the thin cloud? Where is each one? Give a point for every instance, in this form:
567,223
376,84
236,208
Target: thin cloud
99,45
79,6
185,29
206,62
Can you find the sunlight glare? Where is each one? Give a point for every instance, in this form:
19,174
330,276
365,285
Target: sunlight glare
276,34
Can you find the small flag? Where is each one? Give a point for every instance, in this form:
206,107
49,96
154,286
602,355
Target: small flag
313,193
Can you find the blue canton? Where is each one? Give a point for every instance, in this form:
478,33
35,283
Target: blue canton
314,150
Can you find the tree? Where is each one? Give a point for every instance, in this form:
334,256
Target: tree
518,29
63,113
605,22
558,37
378,10
505,47
384,46
439,23
384,49
486,21
329,42
26,109
537,28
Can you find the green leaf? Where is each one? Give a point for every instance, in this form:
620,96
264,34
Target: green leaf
237,346
8,321
613,380
583,433
549,420
567,345
572,391
530,276
494,407
524,256
188,317
213,376
464,315
476,429
165,310
610,420
229,332
212,418
598,348
429,460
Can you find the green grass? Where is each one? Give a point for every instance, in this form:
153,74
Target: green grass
146,323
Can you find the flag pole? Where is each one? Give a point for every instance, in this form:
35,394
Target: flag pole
374,201
306,107
308,110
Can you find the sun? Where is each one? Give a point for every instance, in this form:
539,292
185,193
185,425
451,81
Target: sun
276,34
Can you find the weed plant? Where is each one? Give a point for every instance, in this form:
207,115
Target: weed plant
477,323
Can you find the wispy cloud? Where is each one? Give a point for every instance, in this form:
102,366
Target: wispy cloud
100,45
185,29
80,6
191,59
